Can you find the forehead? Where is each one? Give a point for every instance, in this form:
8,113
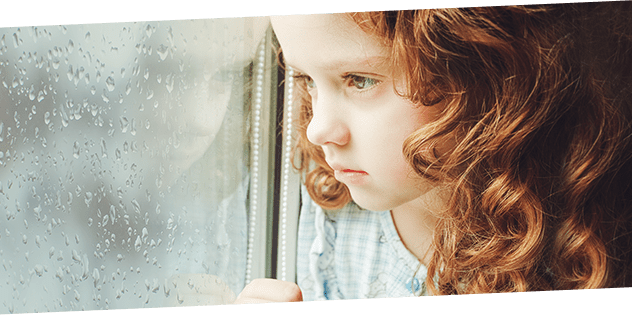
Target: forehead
324,40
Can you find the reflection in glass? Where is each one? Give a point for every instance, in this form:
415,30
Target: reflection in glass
123,162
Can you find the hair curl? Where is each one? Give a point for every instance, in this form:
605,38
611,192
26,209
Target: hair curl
539,100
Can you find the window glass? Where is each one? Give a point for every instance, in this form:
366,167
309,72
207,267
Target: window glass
124,163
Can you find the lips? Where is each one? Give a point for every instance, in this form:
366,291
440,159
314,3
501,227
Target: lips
349,176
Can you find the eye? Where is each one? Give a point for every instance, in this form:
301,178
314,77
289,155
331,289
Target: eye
306,79
360,82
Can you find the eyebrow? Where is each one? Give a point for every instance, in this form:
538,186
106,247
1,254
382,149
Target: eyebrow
376,61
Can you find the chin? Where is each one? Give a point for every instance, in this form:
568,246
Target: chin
371,205
379,201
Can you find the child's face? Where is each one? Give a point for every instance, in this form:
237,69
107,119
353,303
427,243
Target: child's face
359,120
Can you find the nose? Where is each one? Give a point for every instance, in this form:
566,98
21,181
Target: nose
328,124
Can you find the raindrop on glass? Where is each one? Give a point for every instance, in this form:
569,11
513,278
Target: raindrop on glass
124,124
137,243
104,149
39,270
109,82
75,256
163,51
145,235
88,198
71,46
76,150
136,206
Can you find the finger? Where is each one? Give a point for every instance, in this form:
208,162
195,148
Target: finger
247,300
271,290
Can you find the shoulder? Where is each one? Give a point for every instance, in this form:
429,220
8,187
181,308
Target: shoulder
325,246
353,253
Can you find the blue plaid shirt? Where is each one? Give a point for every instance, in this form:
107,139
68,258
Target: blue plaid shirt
353,253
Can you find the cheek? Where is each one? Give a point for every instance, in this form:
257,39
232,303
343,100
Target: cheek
394,163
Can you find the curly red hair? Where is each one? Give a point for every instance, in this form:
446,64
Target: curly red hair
538,102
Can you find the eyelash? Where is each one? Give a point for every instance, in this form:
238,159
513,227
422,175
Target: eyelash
350,80
353,79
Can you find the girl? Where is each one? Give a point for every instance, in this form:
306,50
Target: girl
461,151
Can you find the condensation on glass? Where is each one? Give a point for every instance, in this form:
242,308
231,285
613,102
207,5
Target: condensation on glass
124,163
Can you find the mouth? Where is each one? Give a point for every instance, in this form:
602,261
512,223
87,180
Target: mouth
349,176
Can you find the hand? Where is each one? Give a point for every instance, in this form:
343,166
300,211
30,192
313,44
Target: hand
269,290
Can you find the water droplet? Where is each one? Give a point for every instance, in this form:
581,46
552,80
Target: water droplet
169,82
163,51
104,149
137,243
64,118
76,150
39,270
132,129
70,73
60,274
16,40
75,256
136,206
109,82
96,276
32,93
88,198
104,96
145,235
124,123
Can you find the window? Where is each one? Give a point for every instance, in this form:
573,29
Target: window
132,163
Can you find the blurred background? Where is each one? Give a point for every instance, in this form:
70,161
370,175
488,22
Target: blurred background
124,161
